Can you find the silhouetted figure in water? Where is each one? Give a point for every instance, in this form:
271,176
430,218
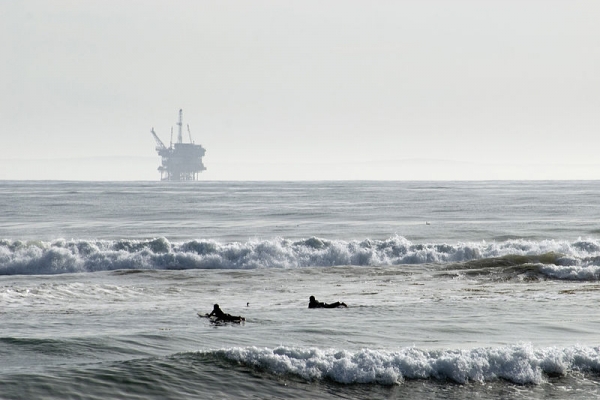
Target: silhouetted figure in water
313,303
221,316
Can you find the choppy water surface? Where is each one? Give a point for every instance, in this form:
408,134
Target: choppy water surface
455,290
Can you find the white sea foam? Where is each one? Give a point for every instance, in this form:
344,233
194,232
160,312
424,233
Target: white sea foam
581,258
575,272
521,364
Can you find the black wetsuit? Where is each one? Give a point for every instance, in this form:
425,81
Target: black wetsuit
221,316
319,304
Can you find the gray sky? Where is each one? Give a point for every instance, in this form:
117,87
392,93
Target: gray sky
302,89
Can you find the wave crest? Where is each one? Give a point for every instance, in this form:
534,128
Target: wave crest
582,257
520,364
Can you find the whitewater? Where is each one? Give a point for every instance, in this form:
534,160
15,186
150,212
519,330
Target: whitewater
454,289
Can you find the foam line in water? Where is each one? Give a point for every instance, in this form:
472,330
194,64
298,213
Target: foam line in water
521,364
67,256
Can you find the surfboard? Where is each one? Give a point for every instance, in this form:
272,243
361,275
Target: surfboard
216,320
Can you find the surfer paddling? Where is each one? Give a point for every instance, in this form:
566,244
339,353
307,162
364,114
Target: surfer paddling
313,303
221,316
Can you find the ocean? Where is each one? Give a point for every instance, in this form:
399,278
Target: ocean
455,290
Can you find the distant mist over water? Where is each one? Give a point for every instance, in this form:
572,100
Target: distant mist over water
144,168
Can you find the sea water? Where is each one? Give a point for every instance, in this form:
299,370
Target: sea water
454,290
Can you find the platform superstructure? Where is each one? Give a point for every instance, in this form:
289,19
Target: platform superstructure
180,161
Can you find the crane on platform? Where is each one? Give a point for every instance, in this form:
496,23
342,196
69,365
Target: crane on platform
159,144
190,133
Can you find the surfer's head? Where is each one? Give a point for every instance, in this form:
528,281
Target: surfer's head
216,307
312,298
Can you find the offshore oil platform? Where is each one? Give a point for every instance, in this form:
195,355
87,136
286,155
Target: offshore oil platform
180,161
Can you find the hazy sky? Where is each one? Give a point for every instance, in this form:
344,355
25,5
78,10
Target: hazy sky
302,89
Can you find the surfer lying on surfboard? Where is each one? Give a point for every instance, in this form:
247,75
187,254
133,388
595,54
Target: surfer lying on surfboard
221,316
313,303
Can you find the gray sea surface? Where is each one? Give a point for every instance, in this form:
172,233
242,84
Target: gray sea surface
455,290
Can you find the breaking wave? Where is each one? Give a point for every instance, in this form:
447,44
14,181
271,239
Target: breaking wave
578,260
520,364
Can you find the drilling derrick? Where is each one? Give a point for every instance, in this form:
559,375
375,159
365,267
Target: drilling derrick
180,161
